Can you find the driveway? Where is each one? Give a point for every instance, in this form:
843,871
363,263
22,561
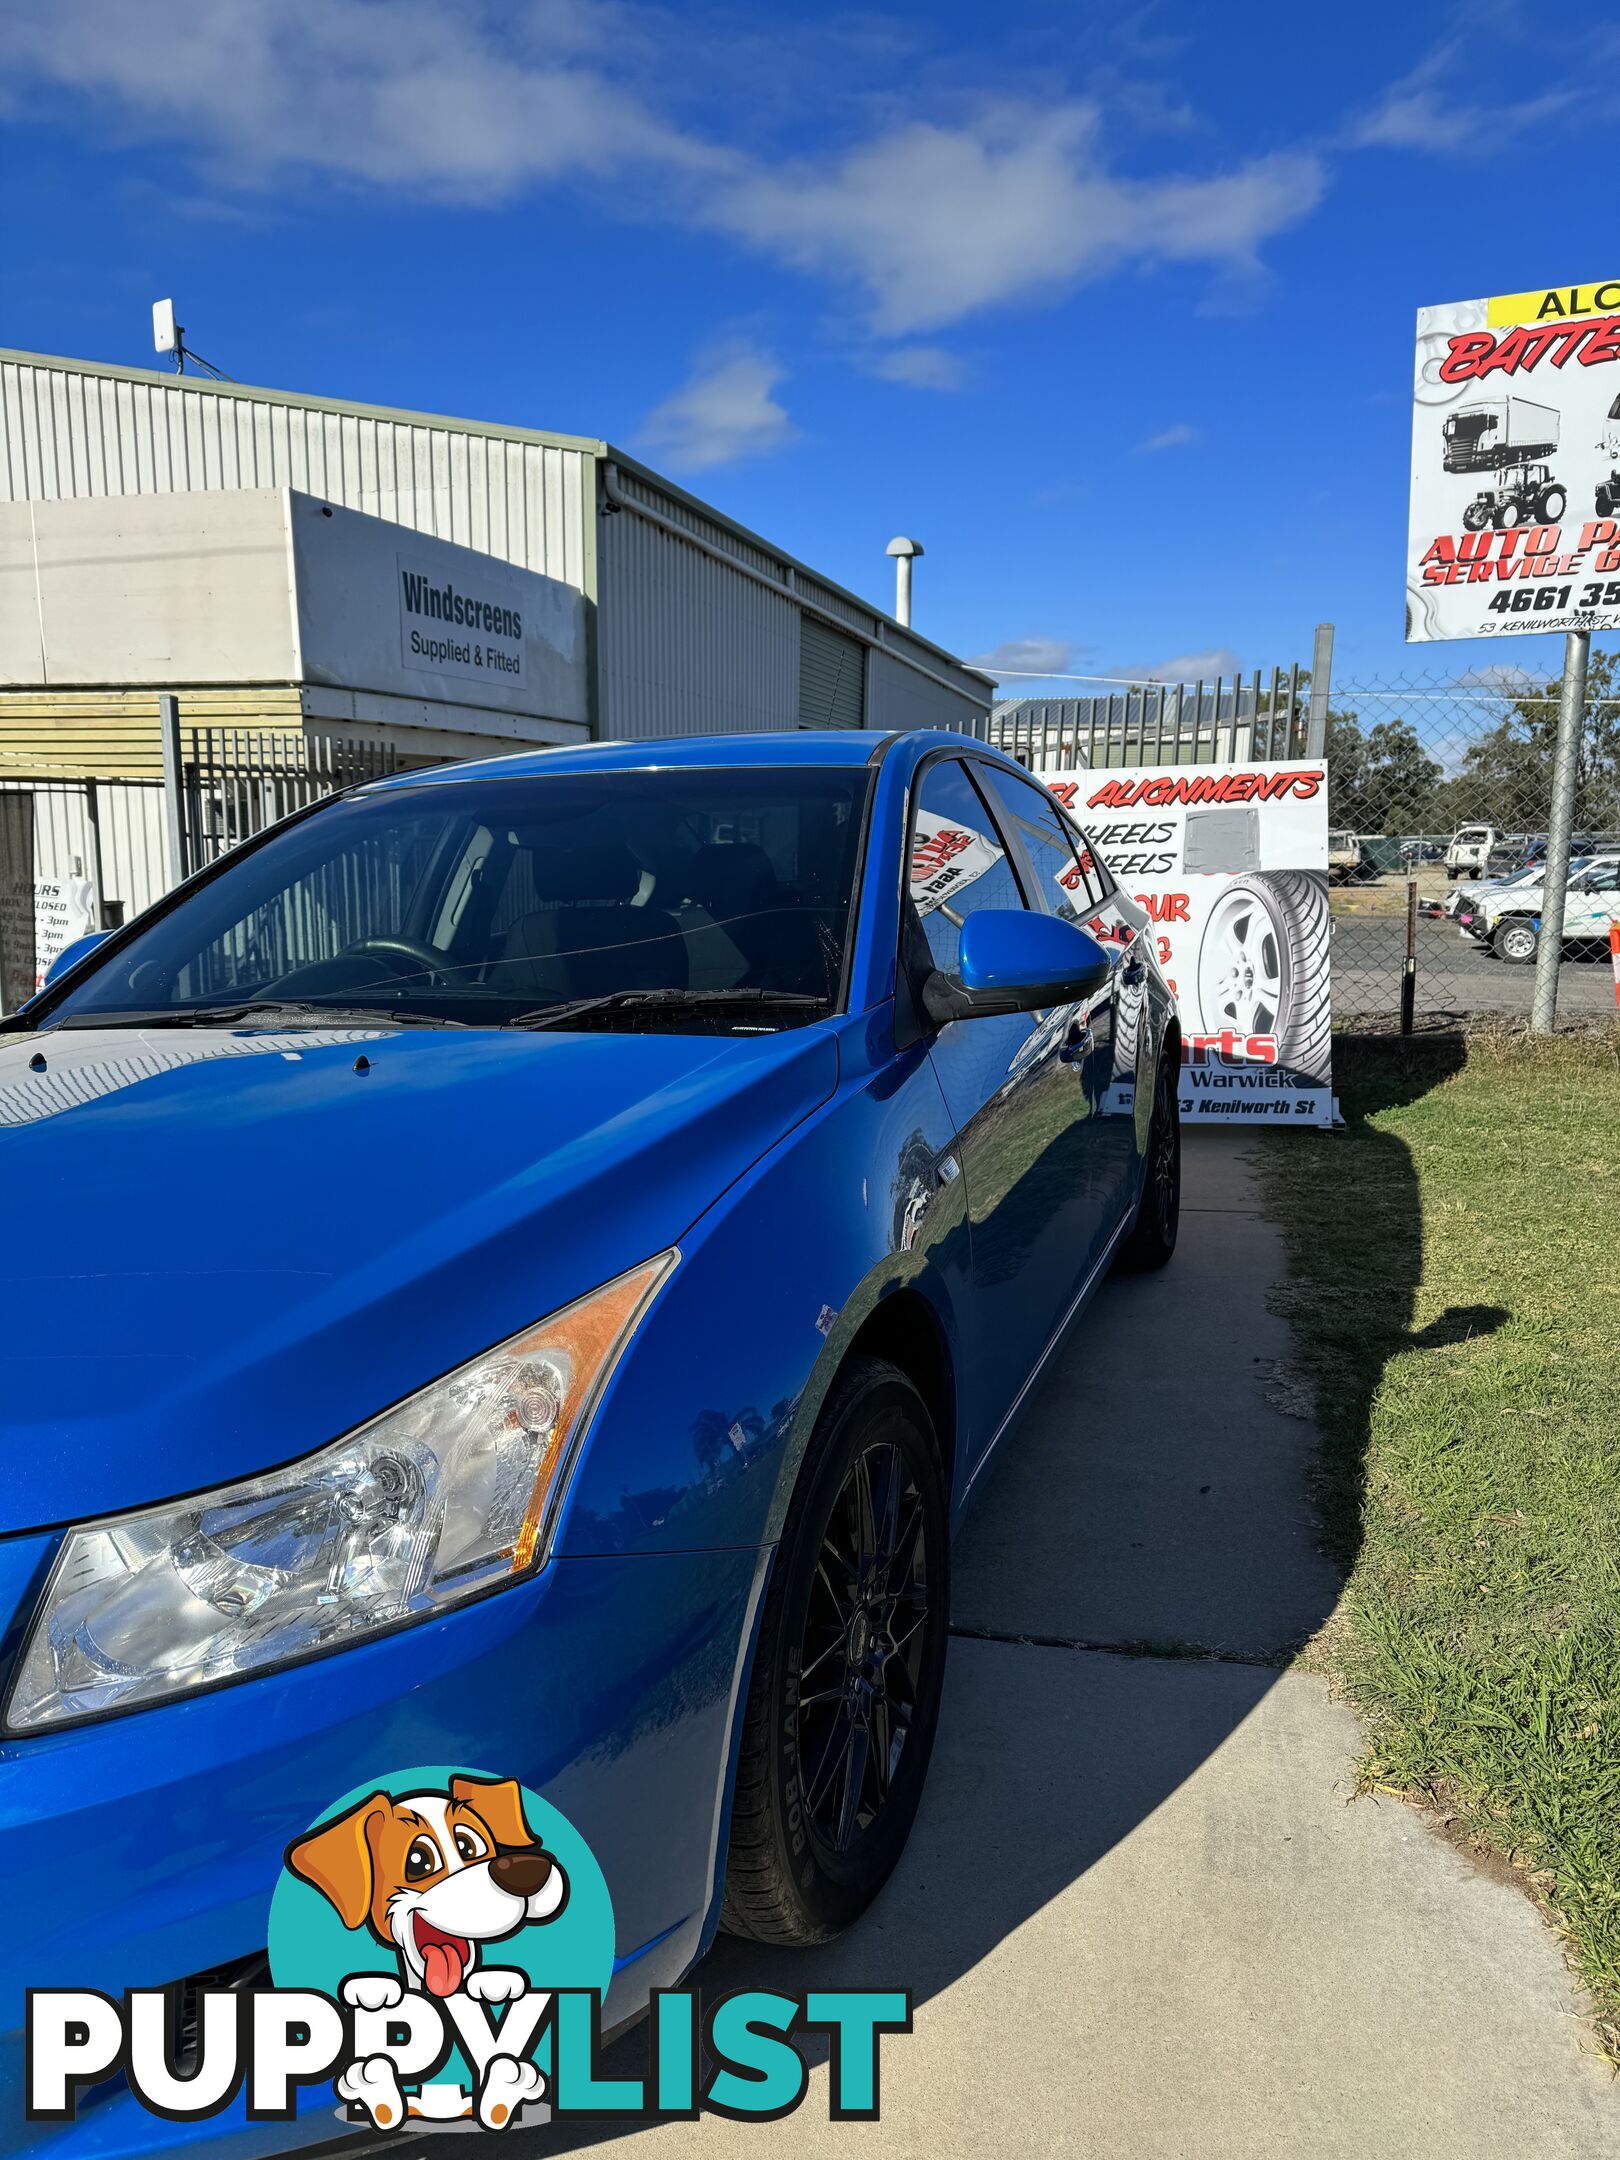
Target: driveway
1141,1917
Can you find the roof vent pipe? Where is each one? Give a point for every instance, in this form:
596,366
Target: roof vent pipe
903,550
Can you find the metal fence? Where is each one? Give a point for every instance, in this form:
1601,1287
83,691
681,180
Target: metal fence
236,781
1435,786
1200,723
1439,792
77,855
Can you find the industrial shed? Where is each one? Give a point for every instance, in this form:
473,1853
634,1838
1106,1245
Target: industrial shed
686,621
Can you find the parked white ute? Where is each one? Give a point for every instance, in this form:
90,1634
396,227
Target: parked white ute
1475,888
1508,918
1470,850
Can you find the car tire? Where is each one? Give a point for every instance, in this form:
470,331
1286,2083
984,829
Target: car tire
1515,940
789,1879
1152,1237
1297,928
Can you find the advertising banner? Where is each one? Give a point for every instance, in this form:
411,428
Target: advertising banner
1515,521
1230,864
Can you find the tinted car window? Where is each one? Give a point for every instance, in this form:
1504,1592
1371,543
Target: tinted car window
1053,855
476,900
958,863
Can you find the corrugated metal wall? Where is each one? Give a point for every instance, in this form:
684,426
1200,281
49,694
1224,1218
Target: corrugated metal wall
898,697
67,430
686,644
832,676
699,627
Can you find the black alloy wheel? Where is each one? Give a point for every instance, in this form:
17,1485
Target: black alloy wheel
861,1656
844,1697
1152,1239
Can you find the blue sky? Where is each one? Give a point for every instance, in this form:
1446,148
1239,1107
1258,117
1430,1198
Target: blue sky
1111,307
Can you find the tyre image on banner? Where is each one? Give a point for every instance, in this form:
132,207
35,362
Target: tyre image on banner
1228,864
1263,966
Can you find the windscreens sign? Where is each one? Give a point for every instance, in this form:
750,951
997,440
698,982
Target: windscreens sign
448,627
1515,521
1229,862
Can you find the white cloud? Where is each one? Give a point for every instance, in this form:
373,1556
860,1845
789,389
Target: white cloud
1503,678
1031,656
1186,667
421,95
933,222
926,220
723,413
921,367
1171,438
1424,111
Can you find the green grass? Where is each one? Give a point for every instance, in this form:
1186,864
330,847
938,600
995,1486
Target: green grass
1455,1297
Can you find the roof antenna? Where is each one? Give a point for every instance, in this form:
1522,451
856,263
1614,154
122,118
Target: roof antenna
169,337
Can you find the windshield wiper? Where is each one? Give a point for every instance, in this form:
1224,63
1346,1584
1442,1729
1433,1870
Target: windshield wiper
295,1013
545,1016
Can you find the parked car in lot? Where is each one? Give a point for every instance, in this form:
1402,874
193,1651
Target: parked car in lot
1470,850
1509,918
1520,852
1473,888
528,1263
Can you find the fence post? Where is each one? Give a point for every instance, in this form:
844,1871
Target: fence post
1566,760
92,818
1321,683
174,811
1409,972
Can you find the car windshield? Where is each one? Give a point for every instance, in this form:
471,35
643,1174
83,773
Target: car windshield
690,898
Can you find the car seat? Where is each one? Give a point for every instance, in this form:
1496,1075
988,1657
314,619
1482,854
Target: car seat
752,915
585,939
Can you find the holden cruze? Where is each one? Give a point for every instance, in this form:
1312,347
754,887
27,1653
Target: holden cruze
527,1263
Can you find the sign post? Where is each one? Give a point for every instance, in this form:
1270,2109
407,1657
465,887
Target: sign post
1566,760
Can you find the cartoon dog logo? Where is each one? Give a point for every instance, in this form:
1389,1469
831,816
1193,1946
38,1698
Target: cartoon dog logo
435,1876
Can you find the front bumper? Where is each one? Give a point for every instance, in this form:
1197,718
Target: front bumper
146,1847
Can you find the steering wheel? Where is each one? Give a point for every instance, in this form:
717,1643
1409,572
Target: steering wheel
403,948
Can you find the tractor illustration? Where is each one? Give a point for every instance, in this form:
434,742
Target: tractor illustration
1608,489
1510,439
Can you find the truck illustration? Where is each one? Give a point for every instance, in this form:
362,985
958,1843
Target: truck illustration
1511,439
1608,489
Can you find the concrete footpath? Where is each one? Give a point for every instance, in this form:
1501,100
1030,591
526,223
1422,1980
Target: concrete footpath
1140,1915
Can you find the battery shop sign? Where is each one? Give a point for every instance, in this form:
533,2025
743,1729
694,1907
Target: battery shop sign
1229,862
1515,518
449,627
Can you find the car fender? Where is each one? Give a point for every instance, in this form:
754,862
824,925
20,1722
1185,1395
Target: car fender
700,1435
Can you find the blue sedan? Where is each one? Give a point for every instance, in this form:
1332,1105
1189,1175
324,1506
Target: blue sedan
527,1263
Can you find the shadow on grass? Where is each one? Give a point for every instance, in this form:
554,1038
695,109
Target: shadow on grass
1370,1216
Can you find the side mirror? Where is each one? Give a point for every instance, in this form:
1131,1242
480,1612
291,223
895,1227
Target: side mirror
1013,961
71,955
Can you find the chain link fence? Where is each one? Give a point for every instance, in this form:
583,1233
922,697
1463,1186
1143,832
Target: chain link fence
1438,802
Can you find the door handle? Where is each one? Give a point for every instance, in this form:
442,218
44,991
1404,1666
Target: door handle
1076,1043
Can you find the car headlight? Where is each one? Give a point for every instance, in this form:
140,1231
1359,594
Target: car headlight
444,1497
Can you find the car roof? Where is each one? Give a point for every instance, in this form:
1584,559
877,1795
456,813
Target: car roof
801,746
